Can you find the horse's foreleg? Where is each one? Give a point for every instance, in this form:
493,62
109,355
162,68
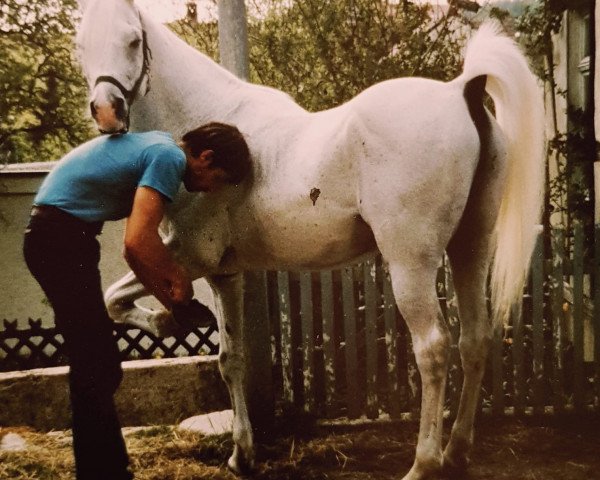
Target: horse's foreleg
414,289
229,301
120,300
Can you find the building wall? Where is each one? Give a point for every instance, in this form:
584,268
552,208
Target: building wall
20,296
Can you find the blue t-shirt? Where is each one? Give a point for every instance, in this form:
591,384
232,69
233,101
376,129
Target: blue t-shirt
97,180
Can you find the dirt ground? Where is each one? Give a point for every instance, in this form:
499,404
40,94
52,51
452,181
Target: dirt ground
505,448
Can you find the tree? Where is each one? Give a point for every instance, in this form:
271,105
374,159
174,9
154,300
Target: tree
324,53
43,91
321,53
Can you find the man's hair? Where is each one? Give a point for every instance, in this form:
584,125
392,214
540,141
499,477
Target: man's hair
226,141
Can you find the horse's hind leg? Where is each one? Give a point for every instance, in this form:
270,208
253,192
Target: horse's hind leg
414,290
470,254
470,262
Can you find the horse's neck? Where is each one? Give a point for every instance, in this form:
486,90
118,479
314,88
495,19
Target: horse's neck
186,87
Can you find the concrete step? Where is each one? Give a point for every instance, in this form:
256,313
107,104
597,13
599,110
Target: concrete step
153,392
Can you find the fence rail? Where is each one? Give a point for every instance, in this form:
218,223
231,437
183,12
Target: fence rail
340,346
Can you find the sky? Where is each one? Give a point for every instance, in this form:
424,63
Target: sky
169,10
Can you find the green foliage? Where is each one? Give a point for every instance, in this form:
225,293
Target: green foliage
513,8
572,153
43,91
324,53
202,36
536,25
321,53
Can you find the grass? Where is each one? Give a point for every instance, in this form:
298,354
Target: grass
156,453
505,449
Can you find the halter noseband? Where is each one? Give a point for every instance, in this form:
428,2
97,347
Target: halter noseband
131,94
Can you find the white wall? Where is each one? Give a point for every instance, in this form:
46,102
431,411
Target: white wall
20,296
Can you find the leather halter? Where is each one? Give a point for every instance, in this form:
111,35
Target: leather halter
130,95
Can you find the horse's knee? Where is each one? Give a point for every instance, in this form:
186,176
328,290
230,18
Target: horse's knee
231,366
474,348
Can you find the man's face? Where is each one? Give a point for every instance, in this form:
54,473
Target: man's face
201,176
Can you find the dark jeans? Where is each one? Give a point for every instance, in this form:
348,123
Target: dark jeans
64,260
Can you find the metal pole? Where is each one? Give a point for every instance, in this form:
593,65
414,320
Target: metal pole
233,37
233,50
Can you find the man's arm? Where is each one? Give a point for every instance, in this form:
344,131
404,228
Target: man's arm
146,254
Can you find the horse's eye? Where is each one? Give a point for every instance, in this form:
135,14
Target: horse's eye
135,43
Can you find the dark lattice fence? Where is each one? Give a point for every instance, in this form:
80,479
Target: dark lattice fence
37,346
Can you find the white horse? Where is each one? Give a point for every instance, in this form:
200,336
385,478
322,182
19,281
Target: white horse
410,167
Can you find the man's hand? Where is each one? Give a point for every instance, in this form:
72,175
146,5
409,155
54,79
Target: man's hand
181,290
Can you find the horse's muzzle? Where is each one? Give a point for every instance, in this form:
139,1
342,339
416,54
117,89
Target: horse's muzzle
111,117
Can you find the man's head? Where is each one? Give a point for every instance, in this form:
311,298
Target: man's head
216,154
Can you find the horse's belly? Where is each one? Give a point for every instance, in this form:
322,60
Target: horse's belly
302,242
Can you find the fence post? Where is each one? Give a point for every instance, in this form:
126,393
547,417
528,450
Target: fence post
596,272
285,313
350,346
520,385
556,282
497,372
308,341
327,301
537,297
391,340
371,298
257,349
578,357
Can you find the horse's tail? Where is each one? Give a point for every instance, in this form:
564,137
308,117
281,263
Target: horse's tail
520,113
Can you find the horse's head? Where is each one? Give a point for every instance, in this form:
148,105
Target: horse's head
115,57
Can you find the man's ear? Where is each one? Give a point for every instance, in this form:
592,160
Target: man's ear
205,158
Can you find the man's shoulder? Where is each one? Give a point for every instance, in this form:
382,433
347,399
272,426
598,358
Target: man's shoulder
162,145
154,137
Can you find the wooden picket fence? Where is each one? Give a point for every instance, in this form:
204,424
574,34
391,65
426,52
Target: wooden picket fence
341,347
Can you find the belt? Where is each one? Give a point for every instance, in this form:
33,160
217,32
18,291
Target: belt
64,219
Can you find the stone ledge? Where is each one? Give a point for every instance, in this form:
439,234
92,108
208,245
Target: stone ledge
153,392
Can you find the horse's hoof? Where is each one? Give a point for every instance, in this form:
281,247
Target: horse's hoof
425,469
240,466
164,325
193,315
455,468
